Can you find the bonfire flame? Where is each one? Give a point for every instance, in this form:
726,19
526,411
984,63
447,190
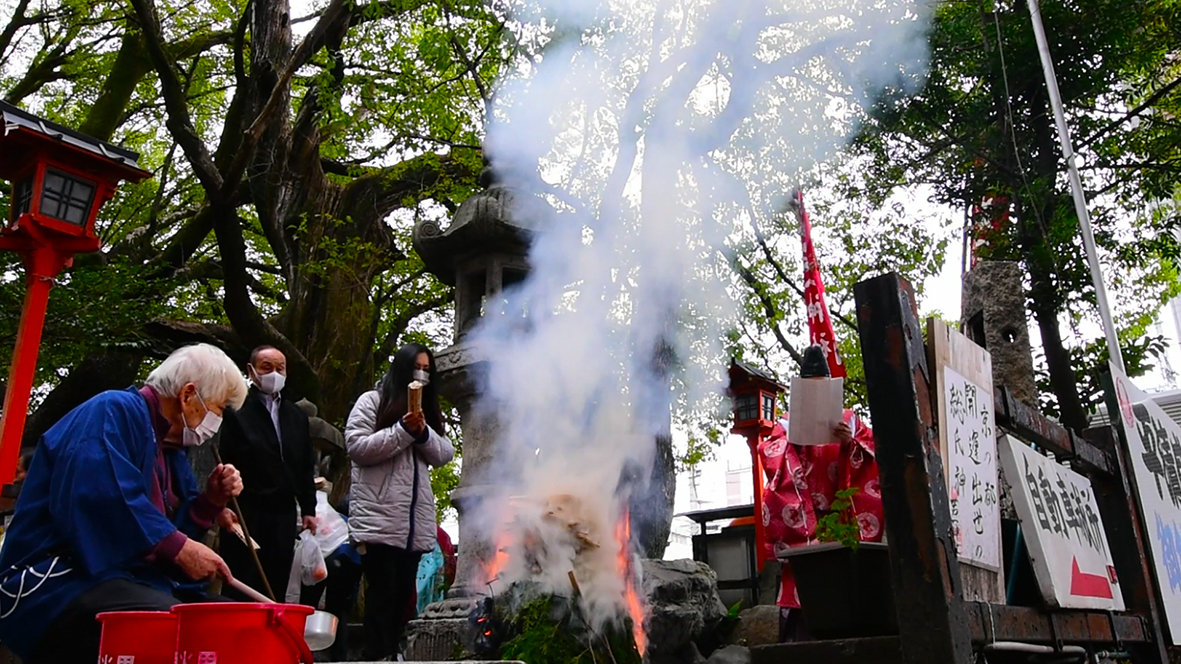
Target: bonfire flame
499,560
635,607
527,541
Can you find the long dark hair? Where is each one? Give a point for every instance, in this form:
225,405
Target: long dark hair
393,389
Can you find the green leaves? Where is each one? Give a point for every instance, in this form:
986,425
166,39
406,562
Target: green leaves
980,133
839,524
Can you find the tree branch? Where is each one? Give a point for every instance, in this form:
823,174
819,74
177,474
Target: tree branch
179,122
1140,108
769,309
18,21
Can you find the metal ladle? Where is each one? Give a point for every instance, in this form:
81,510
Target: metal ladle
319,630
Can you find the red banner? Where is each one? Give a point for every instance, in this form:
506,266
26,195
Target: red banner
819,323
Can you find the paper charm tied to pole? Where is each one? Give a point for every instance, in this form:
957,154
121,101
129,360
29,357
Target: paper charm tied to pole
1061,525
816,407
1154,450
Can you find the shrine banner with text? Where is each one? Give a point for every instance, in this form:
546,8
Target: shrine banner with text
820,331
1154,447
1061,524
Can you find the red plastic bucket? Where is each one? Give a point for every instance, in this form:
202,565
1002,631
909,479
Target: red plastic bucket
137,637
241,633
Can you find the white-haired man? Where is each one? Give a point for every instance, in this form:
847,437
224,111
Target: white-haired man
110,515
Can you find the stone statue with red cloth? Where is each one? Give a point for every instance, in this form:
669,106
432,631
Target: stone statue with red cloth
801,485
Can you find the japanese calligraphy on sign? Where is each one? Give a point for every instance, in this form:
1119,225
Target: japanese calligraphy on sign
1154,446
1060,522
972,467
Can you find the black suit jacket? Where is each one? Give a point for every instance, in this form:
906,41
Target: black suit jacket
271,481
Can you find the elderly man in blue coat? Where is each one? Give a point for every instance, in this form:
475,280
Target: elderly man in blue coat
110,515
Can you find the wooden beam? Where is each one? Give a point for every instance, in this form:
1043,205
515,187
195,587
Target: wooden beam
932,621
998,622
878,650
1029,424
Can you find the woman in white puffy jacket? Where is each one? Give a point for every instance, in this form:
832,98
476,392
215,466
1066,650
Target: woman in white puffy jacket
392,508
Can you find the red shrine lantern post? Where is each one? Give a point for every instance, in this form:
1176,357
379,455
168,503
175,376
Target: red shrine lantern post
60,178
754,395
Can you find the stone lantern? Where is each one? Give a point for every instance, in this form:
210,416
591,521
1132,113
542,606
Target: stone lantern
482,252
754,395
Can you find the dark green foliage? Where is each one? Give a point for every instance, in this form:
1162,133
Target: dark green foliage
550,631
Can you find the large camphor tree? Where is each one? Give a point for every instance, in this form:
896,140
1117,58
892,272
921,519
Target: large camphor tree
292,148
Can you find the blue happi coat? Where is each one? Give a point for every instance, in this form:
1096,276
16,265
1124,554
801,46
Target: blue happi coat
86,514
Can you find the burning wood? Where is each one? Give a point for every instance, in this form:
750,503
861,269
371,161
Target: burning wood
560,544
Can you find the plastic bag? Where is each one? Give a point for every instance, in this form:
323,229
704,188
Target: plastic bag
314,570
430,578
332,530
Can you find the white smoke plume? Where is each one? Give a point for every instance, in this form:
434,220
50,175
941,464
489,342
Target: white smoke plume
655,129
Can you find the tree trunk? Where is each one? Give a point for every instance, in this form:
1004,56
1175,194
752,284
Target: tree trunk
113,369
1046,301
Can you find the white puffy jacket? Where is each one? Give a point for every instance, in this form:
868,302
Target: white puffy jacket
391,501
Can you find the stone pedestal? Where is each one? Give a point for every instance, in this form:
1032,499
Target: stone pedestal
441,632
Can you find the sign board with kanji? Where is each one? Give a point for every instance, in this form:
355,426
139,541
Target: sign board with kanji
1062,529
1154,449
962,373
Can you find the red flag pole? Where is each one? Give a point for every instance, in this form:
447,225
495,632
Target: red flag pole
820,331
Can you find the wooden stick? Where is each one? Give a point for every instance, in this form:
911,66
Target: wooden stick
414,397
266,584
250,592
574,582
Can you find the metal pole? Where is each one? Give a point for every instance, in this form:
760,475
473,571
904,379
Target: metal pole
1076,185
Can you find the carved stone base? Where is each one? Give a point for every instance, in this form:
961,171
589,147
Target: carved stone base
441,633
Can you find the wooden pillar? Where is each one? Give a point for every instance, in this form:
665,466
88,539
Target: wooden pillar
932,619
756,465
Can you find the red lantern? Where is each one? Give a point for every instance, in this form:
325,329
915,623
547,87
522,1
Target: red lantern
755,396
60,178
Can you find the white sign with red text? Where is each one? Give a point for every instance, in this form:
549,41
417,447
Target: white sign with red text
1062,530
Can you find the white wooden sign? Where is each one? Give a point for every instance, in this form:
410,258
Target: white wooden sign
1154,446
962,396
1062,530
972,467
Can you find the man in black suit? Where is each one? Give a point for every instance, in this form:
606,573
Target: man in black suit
267,441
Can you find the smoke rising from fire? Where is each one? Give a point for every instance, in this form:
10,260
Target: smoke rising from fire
654,130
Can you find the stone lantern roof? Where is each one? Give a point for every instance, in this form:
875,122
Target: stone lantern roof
498,220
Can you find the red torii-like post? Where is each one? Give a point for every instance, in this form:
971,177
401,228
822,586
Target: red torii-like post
60,178
755,396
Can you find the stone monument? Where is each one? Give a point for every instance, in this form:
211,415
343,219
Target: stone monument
992,313
482,252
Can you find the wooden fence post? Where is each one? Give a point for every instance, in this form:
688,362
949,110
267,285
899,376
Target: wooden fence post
932,619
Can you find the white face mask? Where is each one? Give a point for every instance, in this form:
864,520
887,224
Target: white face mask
269,383
205,430
421,376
